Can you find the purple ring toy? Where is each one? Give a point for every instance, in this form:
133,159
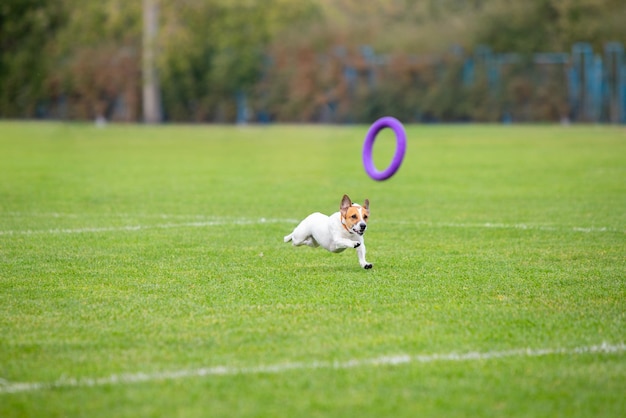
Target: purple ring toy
380,124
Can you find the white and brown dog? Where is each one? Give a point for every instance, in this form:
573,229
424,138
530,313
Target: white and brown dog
341,230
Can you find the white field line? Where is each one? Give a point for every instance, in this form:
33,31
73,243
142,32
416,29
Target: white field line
244,221
7,387
131,228
496,225
109,215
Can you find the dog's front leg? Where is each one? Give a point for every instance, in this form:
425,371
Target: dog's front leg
360,251
341,244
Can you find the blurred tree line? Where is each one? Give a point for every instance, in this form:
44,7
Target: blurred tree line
76,59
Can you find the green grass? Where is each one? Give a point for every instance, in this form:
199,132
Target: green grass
135,249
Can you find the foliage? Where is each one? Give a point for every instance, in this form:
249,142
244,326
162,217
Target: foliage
25,26
212,50
74,59
97,56
551,25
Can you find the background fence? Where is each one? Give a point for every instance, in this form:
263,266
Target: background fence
302,60
357,86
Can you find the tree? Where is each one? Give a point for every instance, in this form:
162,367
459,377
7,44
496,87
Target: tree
551,25
212,50
25,27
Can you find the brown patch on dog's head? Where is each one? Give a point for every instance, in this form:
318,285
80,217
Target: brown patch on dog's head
354,217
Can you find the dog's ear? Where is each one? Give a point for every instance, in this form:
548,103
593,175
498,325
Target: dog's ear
345,204
366,204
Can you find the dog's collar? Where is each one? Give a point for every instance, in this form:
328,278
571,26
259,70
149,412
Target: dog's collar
343,223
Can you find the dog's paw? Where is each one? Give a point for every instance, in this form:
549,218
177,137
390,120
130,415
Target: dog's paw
368,266
357,244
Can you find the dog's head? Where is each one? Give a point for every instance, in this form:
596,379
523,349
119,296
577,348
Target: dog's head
354,216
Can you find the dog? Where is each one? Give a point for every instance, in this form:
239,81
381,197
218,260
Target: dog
341,230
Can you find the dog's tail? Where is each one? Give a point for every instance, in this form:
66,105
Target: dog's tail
288,237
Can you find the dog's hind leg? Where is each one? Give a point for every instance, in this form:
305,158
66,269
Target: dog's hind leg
298,241
299,237
310,242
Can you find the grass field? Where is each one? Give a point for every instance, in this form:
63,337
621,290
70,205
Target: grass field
143,273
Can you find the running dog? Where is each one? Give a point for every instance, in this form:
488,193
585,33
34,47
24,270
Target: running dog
341,230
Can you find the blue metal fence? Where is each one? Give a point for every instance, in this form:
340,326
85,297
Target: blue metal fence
596,83
590,86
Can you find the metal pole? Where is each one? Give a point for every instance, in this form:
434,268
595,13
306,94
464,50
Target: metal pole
151,91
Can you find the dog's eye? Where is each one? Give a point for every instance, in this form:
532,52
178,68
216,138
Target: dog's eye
364,216
353,216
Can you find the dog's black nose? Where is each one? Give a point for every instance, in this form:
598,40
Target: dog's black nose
362,225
